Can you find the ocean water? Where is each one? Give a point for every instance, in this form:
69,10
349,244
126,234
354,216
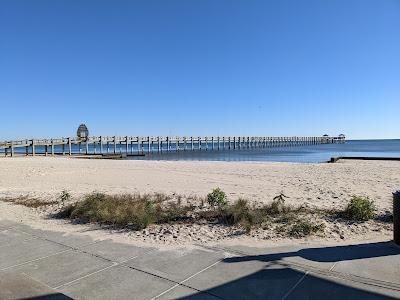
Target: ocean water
302,154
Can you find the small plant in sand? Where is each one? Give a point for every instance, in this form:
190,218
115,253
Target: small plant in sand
217,198
304,228
280,198
64,197
360,209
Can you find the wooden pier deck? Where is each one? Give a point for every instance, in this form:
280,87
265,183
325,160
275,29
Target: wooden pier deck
131,146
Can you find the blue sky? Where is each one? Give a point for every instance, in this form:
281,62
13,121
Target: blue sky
209,67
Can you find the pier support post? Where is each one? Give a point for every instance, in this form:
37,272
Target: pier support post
52,147
12,148
126,145
131,145
396,217
101,145
69,147
115,144
33,148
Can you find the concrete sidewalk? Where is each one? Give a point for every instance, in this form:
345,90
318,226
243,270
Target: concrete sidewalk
36,264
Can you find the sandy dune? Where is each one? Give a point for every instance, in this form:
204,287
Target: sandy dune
322,185
318,185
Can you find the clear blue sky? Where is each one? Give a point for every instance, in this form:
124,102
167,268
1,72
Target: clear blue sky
201,67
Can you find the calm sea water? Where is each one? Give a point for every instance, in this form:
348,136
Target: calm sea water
303,154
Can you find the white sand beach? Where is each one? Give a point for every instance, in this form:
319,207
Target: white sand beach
314,185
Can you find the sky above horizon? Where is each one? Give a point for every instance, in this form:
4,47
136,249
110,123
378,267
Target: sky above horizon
209,67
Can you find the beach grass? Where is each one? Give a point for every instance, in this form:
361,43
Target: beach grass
126,210
29,201
138,211
304,228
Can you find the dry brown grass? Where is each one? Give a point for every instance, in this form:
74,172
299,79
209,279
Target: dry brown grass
29,202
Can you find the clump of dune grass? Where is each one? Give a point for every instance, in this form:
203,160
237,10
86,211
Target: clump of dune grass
139,211
135,211
29,202
239,213
173,212
359,209
278,206
305,228
250,216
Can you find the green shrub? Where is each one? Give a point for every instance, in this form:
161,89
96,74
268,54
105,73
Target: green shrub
360,209
217,198
304,228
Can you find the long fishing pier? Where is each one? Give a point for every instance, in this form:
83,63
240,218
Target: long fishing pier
139,146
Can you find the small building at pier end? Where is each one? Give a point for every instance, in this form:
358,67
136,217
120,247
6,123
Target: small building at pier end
82,132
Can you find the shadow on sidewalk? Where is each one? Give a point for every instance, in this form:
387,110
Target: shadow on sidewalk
287,283
277,280
329,254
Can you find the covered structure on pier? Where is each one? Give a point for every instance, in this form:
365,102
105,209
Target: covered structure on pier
82,132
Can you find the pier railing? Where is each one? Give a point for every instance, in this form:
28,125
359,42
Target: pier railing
139,145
